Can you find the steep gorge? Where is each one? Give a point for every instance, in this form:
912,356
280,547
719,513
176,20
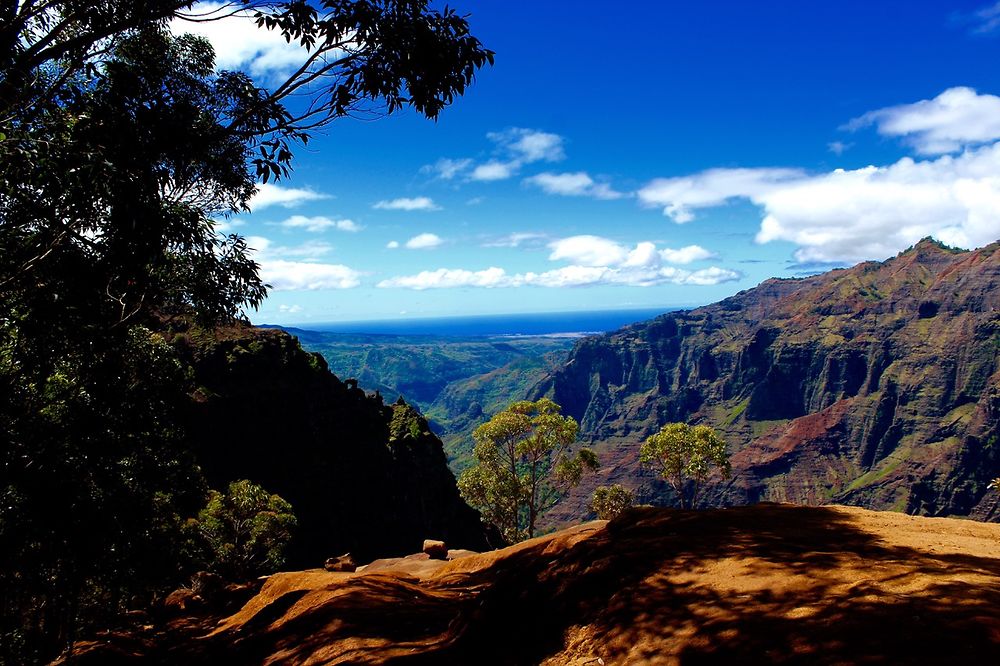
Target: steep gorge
363,477
877,385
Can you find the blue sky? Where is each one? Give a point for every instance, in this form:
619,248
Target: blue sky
643,155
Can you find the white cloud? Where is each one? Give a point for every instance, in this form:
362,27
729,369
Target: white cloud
577,184
869,213
681,196
838,147
269,194
588,276
444,278
686,255
528,145
289,309
494,170
285,275
416,203
239,44
515,147
298,275
319,223
516,239
588,251
957,118
986,19
595,261
567,276
424,242
447,169
875,212
392,245
307,250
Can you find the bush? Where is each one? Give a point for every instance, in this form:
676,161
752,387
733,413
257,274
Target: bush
609,501
246,530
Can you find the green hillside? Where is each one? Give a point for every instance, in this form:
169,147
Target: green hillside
456,382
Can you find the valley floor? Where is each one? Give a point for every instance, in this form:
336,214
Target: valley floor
776,584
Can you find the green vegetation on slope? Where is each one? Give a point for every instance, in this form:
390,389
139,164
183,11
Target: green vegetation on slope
456,382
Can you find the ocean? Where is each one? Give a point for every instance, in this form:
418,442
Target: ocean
533,324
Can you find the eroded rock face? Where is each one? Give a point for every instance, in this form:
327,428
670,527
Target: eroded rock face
363,477
876,386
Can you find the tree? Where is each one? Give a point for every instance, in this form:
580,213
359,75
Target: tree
120,145
609,501
524,466
685,456
246,530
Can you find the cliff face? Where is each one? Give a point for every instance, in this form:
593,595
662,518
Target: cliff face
362,476
877,385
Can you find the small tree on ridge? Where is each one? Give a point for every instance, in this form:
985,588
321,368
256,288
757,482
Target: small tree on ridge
684,456
524,466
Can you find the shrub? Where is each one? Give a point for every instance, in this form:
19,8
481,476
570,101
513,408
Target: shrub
246,530
609,501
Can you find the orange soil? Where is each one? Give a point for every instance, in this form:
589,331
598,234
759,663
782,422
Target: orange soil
769,584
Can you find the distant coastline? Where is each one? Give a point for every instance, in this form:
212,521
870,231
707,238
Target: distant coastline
563,324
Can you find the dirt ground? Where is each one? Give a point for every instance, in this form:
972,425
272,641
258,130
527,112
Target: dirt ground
768,584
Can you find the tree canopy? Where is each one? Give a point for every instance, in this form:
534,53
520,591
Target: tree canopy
685,457
120,145
524,465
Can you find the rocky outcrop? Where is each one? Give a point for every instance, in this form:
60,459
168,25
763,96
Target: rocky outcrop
875,386
363,477
770,583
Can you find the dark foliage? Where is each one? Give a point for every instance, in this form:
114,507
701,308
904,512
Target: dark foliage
119,144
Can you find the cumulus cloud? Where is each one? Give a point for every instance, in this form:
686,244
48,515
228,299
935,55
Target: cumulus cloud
597,251
280,269
392,245
239,44
957,118
567,276
578,184
528,145
269,194
445,278
494,170
874,212
681,196
300,275
424,242
416,203
447,169
594,261
319,223
588,251
847,216
289,309
686,254
514,148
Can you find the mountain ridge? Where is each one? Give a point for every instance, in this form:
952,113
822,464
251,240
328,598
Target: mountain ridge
876,385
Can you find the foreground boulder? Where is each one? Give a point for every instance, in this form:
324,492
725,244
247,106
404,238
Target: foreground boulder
771,584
